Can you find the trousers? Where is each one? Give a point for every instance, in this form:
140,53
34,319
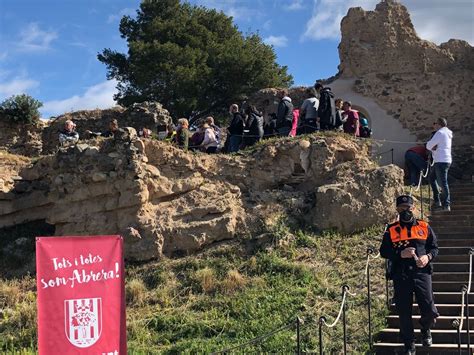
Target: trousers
420,284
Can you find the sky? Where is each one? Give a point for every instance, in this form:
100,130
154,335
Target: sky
48,48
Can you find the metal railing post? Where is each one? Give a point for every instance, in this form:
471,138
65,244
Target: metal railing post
321,322
392,154
298,339
369,298
455,324
344,290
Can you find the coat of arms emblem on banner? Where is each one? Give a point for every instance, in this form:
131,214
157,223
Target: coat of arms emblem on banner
83,321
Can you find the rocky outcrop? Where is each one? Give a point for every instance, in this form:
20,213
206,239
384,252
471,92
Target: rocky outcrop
414,80
169,202
141,115
22,139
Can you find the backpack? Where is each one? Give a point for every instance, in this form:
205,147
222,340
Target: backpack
327,108
365,132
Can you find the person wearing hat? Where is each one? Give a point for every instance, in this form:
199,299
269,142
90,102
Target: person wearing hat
410,245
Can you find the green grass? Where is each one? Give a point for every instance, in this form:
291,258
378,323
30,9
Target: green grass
228,295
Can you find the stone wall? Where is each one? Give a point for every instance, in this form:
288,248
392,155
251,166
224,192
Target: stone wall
414,80
142,115
168,202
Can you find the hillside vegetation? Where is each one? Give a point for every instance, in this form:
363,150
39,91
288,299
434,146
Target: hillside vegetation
231,293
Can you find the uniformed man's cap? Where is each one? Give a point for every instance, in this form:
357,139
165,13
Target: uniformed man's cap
404,200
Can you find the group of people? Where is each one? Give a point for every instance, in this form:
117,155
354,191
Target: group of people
438,152
320,111
68,135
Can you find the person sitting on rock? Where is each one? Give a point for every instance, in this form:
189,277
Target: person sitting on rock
113,128
182,134
68,135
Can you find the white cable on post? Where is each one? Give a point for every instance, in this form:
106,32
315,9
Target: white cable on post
340,312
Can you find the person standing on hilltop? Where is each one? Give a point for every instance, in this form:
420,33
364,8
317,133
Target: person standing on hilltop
440,147
351,124
309,112
326,108
284,116
235,129
411,245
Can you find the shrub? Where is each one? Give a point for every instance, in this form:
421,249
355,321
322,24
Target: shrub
20,109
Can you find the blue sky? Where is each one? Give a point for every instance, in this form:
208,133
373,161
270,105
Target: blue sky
49,48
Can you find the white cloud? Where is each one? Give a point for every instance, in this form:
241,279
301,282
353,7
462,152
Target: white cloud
237,9
276,41
435,20
124,12
97,96
16,86
34,39
295,5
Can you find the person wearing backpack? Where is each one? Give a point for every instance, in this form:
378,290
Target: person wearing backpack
284,114
327,107
309,113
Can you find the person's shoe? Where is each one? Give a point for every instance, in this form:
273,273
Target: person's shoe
447,209
436,206
410,349
426,337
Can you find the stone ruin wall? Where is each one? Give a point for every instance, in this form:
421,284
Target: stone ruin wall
414,80
42,138
168,202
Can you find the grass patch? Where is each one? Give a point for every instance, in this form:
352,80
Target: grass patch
227,295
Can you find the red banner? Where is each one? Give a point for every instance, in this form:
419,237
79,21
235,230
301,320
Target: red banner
81,300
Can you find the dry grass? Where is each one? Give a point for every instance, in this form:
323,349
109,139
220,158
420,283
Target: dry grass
233,282
207,279
135,292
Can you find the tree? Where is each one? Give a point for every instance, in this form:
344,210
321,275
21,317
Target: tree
20,108
189,58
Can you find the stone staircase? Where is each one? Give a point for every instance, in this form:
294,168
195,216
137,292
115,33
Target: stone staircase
455,232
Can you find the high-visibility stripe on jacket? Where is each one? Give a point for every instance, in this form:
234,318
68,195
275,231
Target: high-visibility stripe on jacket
399,233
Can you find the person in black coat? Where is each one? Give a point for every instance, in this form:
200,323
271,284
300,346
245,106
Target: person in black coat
253,126
410,245
284,114
235,129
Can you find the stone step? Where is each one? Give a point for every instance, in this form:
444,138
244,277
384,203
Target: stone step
439,335
448,236
452,258
451,276
454,230
445,242
450,266
444,309
442,322
448,286
467,223
451,298
383,348
450,217
455,210
454,250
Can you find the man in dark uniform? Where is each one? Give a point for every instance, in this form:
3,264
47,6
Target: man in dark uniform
410,245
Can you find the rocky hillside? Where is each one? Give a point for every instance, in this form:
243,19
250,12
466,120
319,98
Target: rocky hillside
169,202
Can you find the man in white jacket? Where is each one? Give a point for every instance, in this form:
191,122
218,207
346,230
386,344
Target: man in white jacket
440,147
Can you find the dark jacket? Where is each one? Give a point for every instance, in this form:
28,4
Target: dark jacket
255,129
236,126
284,113
405,266
327,108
